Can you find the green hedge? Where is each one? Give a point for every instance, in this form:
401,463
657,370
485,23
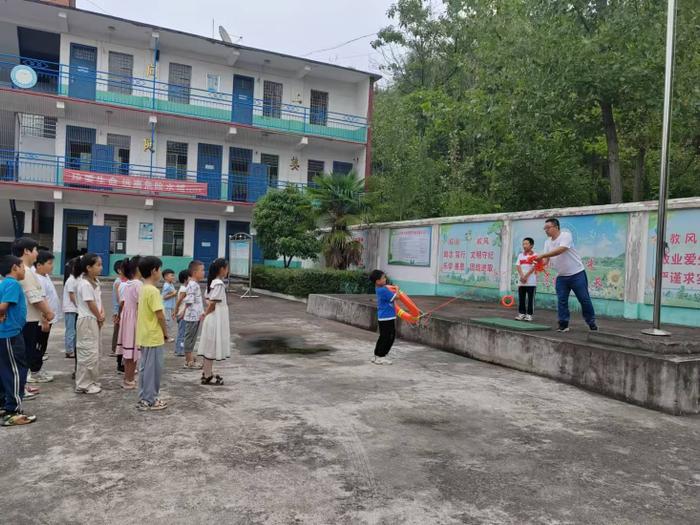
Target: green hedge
302,282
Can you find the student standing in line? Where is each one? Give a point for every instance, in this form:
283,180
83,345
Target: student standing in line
91,318
386,315
527,281
115,309
13,366
168,294
151,334
37,308
70,307
215,341
183,277
128,311
43,268
194,312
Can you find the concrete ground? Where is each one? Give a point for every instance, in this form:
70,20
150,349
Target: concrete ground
327,437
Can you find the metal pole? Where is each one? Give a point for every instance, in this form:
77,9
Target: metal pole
663,180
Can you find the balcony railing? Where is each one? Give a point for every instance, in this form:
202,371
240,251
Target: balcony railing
94,174
150,94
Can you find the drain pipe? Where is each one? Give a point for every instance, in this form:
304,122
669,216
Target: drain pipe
156,38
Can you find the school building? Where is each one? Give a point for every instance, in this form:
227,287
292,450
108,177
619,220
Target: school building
125,138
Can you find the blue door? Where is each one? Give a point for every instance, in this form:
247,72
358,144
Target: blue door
342,167
257,181
98,242
209,168
243,100
103,158
206,241
83,75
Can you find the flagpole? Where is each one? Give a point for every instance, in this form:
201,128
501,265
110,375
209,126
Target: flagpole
663,180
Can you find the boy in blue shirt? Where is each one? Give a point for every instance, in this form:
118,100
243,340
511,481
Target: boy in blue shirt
386,315
13,363
168,295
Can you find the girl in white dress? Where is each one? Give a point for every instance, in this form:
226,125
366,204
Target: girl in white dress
215,339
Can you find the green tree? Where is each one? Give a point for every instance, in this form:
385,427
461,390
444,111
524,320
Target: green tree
339,201
285,221
505,105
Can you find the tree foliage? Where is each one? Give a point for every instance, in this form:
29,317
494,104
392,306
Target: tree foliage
339,202
284,221
505,105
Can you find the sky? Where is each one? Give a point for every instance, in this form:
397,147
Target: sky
296,27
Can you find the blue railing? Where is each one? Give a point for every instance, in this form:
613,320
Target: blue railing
151,94
43,169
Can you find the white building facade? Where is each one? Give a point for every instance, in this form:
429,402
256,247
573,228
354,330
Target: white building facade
124,138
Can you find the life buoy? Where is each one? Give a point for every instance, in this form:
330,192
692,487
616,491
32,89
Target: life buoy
411,312
507,301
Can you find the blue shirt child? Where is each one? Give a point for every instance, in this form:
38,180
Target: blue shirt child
11,292
168,288
385,304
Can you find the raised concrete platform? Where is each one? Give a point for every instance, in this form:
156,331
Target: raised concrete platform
618,361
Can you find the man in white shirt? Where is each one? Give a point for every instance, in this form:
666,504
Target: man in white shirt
560,253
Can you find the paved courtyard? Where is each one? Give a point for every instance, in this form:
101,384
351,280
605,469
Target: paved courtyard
317,434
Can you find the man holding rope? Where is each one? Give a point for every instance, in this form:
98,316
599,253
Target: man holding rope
560,253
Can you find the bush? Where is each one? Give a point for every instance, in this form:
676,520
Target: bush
302,282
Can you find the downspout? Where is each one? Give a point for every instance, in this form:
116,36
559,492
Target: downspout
368,145
153,100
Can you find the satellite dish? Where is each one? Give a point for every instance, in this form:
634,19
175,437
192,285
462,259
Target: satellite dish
224,35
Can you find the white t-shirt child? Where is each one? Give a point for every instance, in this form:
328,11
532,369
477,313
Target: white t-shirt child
525,267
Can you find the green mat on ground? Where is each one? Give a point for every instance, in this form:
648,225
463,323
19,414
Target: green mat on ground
510,324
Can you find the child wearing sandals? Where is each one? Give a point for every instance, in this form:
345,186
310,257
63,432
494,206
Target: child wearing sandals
151,334
183,277
215,341
194,311
128,311
13,366
91,317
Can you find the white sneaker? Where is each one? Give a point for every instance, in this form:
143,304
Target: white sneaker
383,361
93,389
528,318
40,377
520,317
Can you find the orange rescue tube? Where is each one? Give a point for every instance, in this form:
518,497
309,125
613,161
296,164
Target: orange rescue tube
411,312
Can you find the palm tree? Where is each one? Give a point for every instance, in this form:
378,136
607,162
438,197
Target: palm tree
339,200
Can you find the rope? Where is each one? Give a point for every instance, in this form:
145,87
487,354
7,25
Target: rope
427,315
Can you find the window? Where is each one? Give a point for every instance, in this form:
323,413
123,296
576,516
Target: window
342,167
122,145
176,160
272,99
37,126
213,82
121,69
273,168
173,237
117,237
315,169
319,108
239,168
179,76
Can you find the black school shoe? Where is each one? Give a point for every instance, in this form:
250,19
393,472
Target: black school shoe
563,327
593,327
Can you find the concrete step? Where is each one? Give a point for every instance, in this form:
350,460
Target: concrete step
669,382
659,345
